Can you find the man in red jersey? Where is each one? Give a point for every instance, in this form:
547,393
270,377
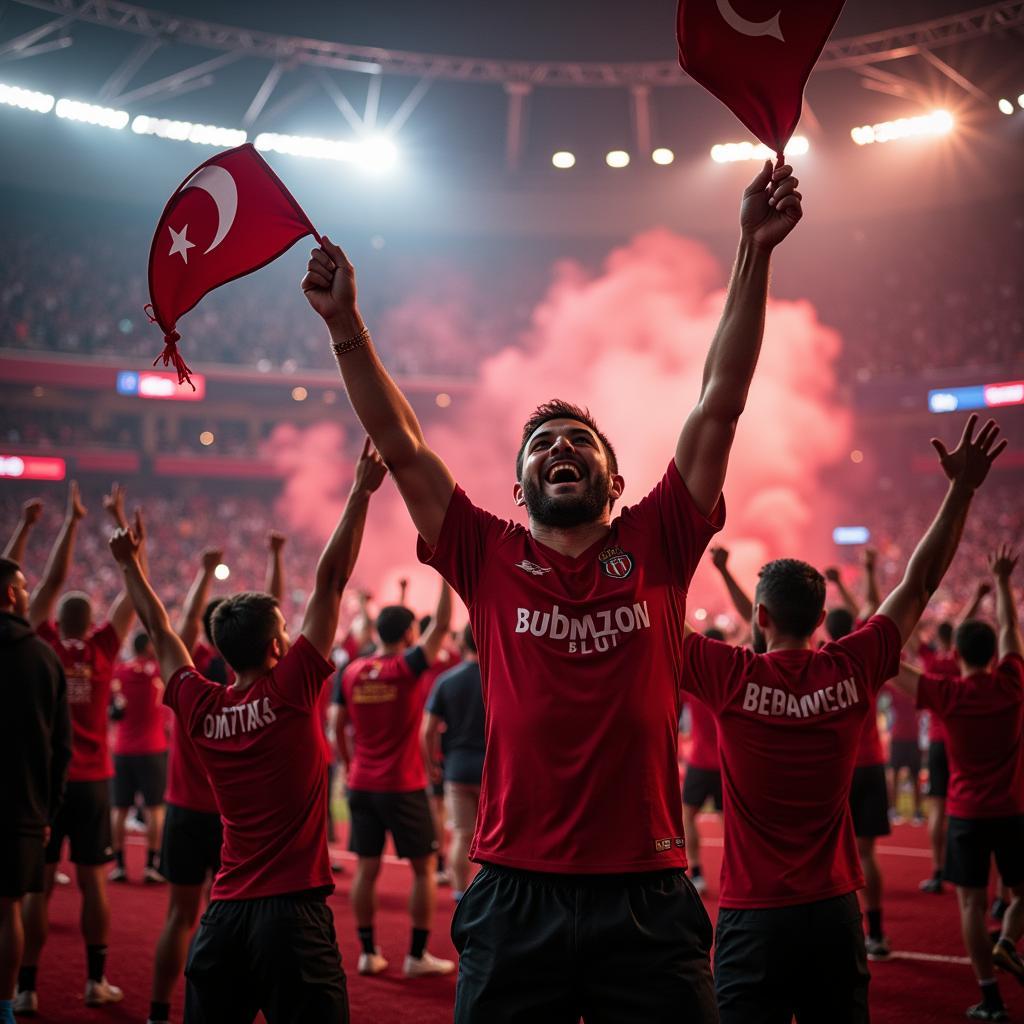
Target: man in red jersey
582,906
904,751
983,712
382,696
140,754
789,940
266,942
87,653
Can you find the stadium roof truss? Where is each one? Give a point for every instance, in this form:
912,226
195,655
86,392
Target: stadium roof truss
861,54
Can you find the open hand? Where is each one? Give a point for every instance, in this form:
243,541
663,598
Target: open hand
1002,562
113,505
969,462
771,206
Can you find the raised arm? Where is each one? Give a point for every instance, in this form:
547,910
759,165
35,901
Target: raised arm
339,556
981,591
432,641
191,621
1002,563
833,576
170,652
275,565
58,565
30,513
770,210
966,468
423,479
740,599
121,613
872,596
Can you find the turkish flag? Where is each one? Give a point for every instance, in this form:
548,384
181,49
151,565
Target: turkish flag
756,56
229,217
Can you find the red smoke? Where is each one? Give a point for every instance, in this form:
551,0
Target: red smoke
629,343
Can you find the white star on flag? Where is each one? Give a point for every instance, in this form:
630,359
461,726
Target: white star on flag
179,243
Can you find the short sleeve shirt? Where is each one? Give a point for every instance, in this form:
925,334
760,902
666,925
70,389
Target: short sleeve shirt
902,716
580,660
458,701
263,751
89,668
142,728
789,723
703,738
937,664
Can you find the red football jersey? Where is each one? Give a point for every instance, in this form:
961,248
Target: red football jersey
789,723
869,745
264,753
703,738
580,661
984,719
187,782
937,664
89,668
902,716
143,727
384,698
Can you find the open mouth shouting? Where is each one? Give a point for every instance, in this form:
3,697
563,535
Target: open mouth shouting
563,472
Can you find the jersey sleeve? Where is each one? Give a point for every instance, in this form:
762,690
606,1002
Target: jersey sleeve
711,669
874,650
415,661
185,692
461,550
48,631
685,531
300,675
1010,673
106,641
435,702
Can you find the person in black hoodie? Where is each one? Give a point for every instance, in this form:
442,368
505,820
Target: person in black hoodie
35,749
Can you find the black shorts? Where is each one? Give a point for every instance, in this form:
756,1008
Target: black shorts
869,802
407,816
191,846
905,754
553,948
84,820
436,789
938,770
700,785
22,865
808,961
278,955
971,843
139,773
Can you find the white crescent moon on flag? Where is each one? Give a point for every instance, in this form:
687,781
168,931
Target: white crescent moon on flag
749,28
221,186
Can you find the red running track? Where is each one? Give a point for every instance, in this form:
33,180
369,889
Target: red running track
928,980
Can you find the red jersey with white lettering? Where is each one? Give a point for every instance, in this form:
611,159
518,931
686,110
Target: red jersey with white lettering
938,664
264,753
89,668
580,661
902,716
188,785
789,723
984,718
142,728
384,697
703,738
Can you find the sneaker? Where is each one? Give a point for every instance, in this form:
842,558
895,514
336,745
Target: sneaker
998,909
878,949
372,963
700,883
100,993
1008,959
426,965
26,1004
918,820
442,878
980,1012
118,875
61,878
152,877
932,885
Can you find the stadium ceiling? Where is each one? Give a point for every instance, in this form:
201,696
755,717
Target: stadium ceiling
864,55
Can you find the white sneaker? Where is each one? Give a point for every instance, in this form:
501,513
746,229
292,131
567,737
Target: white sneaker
372,963
62,879
426,965
26,1004
442,878
118,875
99,993
152,877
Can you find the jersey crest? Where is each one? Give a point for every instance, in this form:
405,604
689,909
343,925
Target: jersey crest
615,563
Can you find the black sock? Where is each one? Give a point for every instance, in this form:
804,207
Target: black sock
160,1012
440,862
990,997
152,856
96,962
937,874
695,871
874,923
27,979
419,942
119,857
366,939
1007,944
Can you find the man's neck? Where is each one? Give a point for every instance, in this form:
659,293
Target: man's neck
570,540
789,643
245,680
390,650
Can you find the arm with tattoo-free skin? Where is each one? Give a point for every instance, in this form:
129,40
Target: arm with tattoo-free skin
30,513
1002,564
740,599
191,622
44,598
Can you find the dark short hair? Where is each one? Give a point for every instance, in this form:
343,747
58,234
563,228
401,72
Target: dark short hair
794,594
243,626
211,607
945,632
140,643
74,613
8,570
714,634
976,642
393,622
557,409
425,621
468,639
839,623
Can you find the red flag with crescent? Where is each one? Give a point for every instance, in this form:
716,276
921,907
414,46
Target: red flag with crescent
229,217
756,56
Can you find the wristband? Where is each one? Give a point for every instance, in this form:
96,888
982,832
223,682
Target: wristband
339,348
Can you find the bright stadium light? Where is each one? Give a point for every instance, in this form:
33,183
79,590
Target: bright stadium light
938,122
90,113
563,160
617,158
222,572
1020,101
733,152
1005,106
373,154
663,157
26,99
186,131
377,154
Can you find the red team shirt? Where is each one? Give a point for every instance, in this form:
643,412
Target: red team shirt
89,668
703,738
869,746
936,664
789,723
264,753
143,728
384,698
903,716
984,719
580,660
